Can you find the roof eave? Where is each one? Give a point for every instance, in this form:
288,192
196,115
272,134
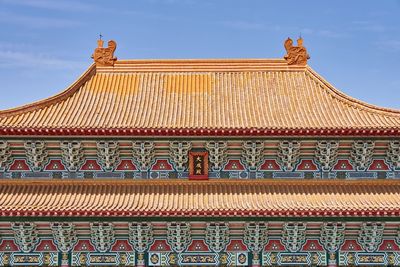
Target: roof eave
268,189
180,132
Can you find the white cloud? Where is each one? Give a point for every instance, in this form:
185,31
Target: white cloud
249,25
148,15
37,22
19,59
395,83
331,34
323,33
52,4
393,45
369,26
179,2
243,25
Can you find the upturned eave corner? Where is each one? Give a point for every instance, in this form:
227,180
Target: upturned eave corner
46,102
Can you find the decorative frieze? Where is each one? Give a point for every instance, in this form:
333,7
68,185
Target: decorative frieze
102,235
26,235
72,154
64,235
370,235
332,235
326,153
5,155
163,159
108,154
217,243
36,154
361,154
217,235
143,154
140,235
294,235
178,151
393,154
255,236
178,235
288,154
217,154
252,154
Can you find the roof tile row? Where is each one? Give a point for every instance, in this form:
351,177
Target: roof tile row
191,95
189,198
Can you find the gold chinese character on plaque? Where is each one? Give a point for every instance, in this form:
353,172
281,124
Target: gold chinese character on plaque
198,165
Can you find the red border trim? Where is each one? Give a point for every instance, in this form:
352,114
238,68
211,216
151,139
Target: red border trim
200,213
197,132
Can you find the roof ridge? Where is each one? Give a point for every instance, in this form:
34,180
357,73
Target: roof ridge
205,65
211,59
202,60
70,90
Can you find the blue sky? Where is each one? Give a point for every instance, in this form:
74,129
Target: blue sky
46,44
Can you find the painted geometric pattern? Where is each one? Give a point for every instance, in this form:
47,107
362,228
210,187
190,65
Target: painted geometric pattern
232,248
240,159
164,168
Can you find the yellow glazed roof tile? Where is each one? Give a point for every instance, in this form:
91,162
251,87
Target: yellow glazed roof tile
200,198
200,94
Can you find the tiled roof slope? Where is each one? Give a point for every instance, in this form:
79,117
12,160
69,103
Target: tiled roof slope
188,95
202,198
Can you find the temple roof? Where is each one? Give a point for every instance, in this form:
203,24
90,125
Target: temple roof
191,97
176,198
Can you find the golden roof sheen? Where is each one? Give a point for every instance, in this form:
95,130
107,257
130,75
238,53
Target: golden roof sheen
187,198
200,94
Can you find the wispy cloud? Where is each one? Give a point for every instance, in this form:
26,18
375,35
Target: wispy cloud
324,33
21,46
242,25
36,22
369,26
395,83
331,34
60,5
20,59
393,45
249,25
180,2
147,15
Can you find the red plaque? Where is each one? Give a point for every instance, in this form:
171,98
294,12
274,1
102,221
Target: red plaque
198,165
